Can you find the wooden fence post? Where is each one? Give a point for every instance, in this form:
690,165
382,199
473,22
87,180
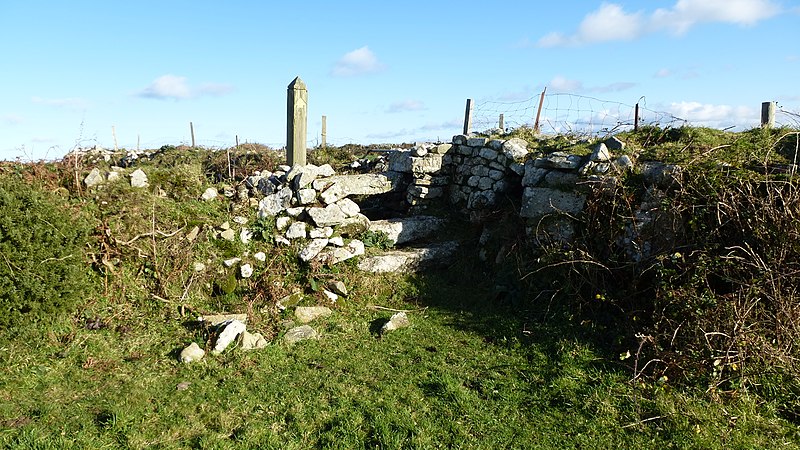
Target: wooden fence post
191,129
296,122
502,124
324,131
468,117
636,117
539,111
768,114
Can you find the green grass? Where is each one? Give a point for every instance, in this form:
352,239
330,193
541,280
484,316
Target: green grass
468,373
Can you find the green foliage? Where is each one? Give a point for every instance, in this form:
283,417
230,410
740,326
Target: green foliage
43,272
263,229
376,239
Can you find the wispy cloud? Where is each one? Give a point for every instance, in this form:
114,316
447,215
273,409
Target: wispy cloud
68,102
10,119
562,84
360,61
405,105
172,87
663,73
451,126
610,22
714,115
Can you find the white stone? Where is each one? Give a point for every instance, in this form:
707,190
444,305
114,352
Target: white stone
338,241
252,341
273,204
600,153
306,314
295,212
348,207
336,255
312,249
317,233
301,333
515,149
228,235
306,196
138,179
281,240
328,216
296,230
246,270
229,333
214,320
397,321
330,295
94,178
260,256
209,194
408,229
192,353
325,170
245,236
281,223
240,220
199,267
231,262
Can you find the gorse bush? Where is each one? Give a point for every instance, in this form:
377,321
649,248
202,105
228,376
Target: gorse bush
43,271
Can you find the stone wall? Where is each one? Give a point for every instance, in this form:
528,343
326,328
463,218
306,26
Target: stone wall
552,189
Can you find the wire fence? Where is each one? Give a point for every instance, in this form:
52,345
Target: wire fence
573,114
786,118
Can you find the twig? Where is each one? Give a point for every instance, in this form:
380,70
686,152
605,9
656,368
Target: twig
566,262
56,259
152,233
642,421
383,308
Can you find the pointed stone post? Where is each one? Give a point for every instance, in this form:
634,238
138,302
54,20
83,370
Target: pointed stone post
296,122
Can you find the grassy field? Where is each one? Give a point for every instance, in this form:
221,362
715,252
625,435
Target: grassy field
468,373
479,367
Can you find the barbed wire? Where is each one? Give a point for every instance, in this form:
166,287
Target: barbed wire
574,114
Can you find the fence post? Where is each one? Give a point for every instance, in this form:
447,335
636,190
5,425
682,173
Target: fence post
768,114
468,117
502,124
296,122
324,131
636,117
191,129
114,134
539,111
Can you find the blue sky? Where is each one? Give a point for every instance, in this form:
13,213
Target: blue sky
380,71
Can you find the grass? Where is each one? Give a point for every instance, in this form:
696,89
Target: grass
468,373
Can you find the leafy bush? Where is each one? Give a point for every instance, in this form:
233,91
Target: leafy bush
43,271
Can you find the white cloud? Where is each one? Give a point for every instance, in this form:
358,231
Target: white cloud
714,115
663,73
424,131
608,23
358,62
611,22
562,84
69,102
11,119
406,105
688,13
176,88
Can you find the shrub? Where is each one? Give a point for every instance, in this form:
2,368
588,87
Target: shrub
43,271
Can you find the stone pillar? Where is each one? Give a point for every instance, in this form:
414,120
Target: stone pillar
296,122
768,114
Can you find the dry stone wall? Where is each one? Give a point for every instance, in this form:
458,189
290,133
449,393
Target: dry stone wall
473,173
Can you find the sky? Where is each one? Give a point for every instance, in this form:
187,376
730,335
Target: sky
82,73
